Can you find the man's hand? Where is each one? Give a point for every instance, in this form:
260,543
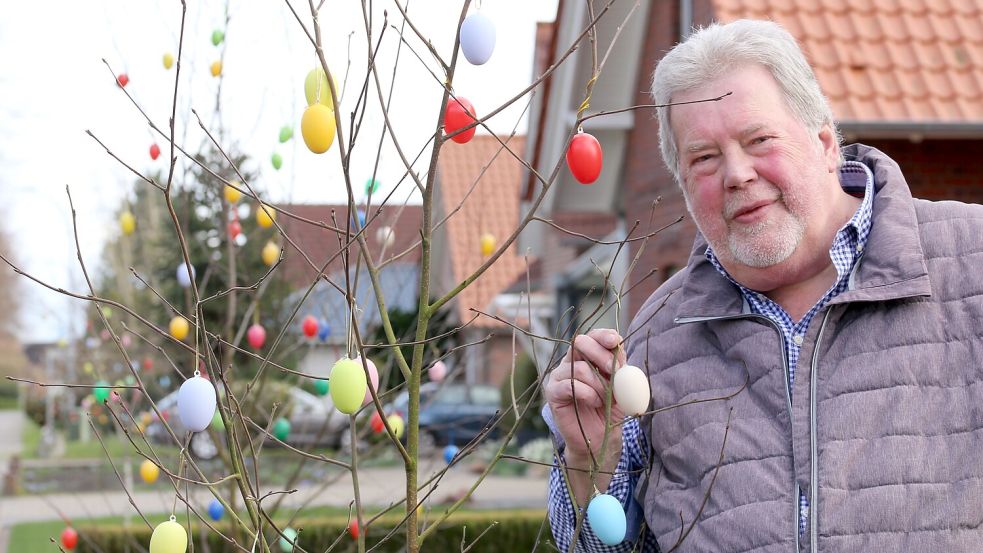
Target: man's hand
577,386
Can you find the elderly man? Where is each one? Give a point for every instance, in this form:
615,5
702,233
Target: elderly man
841,320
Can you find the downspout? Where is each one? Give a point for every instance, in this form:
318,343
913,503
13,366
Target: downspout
685,18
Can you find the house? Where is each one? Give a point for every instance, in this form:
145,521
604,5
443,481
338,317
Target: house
905,76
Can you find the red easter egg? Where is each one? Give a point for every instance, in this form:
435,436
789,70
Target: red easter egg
460,113
353,528
122,79
309,326
69,538
375,422
585,158
256,336
148,363
235,229
154,151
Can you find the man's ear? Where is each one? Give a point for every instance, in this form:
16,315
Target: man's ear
830,146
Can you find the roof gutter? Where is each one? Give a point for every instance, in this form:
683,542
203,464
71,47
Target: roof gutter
911,130
526,194
685,18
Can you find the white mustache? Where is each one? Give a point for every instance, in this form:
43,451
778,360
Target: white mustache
739,202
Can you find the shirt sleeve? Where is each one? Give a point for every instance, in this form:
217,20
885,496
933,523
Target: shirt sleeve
563,514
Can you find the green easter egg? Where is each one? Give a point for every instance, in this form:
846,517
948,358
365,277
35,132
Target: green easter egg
281,429
277,161
102,392
317,89
321,387
348,385
286,133
217,37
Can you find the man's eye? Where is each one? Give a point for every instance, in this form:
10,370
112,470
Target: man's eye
701,159
760,139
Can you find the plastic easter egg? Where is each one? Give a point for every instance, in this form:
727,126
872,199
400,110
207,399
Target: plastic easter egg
323,331
168,60
309,326
125,340
450,452
102,392
477,38
217,37
232,194
277,161
396,423
147,363
437,371
361,219
122,80
607,519
184,277
235,229
154,152
88,367
256,335
631,390
265,215
487,244
459,114
169,537
217,423
348,385
371,186
127,223
385,237
281,429
318,128
69,538
316,88
196,403
373,379
216,68
286,133
353,529
287,540
270,253
215,509
179,327
149,471
321,387
585,158
376,424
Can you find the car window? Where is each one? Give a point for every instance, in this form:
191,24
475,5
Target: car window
485,395
452,395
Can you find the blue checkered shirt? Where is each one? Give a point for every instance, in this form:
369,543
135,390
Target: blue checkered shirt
847,247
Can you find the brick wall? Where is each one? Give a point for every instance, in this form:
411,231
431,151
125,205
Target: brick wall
938,169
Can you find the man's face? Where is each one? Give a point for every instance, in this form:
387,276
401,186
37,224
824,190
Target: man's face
756,181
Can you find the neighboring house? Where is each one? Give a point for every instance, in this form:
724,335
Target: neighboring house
903,76
477,193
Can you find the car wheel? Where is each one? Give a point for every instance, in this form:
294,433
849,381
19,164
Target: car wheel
202,446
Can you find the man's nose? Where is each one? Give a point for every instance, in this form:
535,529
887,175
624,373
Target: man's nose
739,169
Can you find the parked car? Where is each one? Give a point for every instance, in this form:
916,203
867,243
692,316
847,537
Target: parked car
314,422
452,413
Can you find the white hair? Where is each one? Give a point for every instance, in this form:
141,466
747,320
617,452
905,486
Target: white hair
717,49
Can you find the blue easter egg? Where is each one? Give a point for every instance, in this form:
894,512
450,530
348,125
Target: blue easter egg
323,330
607,519
215,509
450,452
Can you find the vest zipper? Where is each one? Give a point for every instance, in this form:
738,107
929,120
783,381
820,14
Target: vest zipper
788,397
813,446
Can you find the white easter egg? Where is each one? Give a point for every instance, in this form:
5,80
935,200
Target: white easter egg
196,403
477,38
183,278
631,390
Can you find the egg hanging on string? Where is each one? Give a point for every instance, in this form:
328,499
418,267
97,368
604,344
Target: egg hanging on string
184,277
631,390
317,126
607,519
459,114
348,385
477,38
196,403
169,537
585,158
256,335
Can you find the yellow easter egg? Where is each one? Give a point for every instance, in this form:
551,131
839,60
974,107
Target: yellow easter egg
348,385
265,215
316,88
149,471
216,68
179,327
168,60
487,244
271,252
169,537
232,194
317,128
396,423
127,222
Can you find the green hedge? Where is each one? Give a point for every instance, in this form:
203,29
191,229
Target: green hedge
516,530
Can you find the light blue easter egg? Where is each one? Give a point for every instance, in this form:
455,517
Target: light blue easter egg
607,519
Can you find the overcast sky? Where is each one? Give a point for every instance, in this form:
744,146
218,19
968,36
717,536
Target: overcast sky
54,86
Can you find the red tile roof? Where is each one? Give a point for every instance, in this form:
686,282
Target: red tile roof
320,243
492,207
885,60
